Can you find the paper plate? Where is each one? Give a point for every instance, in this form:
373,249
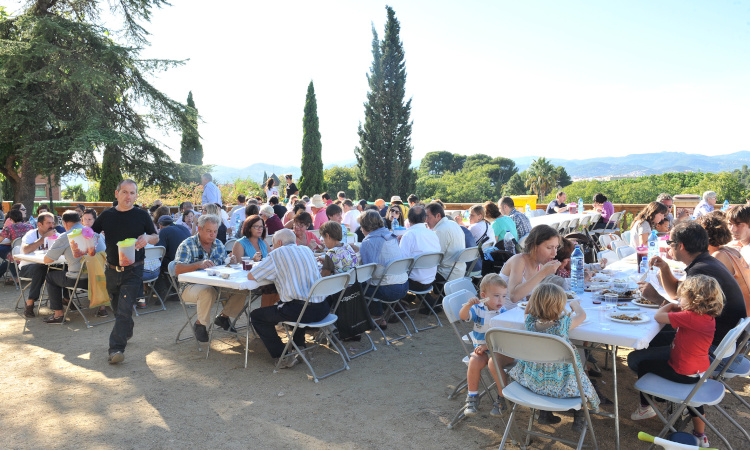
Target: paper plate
643,318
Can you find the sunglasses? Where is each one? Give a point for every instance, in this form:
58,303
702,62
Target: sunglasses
670,242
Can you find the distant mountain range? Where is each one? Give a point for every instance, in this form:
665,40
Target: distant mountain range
630,165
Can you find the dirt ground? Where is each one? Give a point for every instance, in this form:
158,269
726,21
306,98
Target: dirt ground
59,392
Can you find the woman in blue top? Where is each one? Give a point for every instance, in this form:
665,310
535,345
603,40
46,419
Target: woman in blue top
252,242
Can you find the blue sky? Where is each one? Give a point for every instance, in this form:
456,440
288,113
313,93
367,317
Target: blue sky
567,79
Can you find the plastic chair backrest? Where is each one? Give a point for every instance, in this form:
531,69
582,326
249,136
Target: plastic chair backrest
363,273
230,243
529,346
626,236
16,242
398,266
467,255
573,224
170,269
563,225
610,255
616,243
605,240
584,221
427,260
594,220
332,284
453,303
614,220
155,252
458,285
623,252
726,347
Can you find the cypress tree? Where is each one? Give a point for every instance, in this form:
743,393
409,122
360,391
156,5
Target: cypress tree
384,151
191,149
110,175
311,181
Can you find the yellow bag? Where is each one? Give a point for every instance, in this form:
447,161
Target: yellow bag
97,281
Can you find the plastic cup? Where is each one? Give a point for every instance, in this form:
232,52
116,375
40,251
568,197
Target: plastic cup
247,263
603,317
126,251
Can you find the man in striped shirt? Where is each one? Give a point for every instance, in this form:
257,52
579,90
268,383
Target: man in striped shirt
294,270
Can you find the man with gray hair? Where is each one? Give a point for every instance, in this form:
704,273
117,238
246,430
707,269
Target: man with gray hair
211,193
294,270
200,252
666,200
706,205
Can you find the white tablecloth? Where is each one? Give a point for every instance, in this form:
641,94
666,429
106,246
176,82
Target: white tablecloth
555,219
37,258
237,279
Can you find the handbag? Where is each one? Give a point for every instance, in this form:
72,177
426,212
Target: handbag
352,312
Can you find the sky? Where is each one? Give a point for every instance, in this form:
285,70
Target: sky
563,79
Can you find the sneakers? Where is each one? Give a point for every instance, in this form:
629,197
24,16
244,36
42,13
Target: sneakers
643,412
116,357
498,408
102,313
53,319
28,311
288,361
471,405
547,418
702,439
140,303
201,334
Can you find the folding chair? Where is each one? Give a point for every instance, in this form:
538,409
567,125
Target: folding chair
540,348
362,274
452,304
704,392
626,236
16,249
742,368
189,321
624,252
395,267
81,286
156,252
322,288
425,261
459,285
609,254
562,227
617,243
229,244
606,239
466,256
613,226
594,220
584,222
572,226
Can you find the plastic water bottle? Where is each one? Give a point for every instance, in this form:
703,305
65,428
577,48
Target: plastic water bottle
576,270
237,221
394,224
580,205
527,208
726,205
653,245
508,243
643,268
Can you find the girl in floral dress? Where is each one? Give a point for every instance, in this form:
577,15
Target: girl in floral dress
546,314
339,257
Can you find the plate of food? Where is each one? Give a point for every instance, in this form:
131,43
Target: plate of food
571,295
627,307
645,303
631,318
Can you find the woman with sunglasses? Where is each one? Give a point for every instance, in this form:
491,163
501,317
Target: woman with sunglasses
252,242
394,213
645,221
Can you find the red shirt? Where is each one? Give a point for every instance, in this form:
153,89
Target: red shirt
320,219
695,333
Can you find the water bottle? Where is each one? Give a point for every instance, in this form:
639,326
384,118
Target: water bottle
394,224
643,268
237,221
653,245
726,205
508,243
527,208
580,205
576,270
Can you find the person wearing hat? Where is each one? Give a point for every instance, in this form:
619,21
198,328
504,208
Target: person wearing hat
380,203
318,207
396,200
272,221
706,205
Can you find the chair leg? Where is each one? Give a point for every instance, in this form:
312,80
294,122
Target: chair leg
371,348
734,422
432,313
511,424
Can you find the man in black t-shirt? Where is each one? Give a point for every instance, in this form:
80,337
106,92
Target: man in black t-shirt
688,243
124,281
558,205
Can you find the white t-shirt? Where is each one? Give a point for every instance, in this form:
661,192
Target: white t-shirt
418,240
478,229
643,227
274,191
29,238
350,220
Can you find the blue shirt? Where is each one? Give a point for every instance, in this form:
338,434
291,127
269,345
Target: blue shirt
211,194
523,224
250,250
480,315
170,238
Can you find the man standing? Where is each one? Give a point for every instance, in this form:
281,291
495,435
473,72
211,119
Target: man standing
203,251
558,205
738,218
294,271
34,240
211,193
666,200
706,205
124,282
58,280
523,224
417,240
451,239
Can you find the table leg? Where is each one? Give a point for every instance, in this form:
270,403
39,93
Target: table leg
616,402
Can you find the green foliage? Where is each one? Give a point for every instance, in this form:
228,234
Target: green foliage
311,181
191,192
645,189
516,185
384,151
562,178
75,193
437,163
340,179
541,177
110,175
191,149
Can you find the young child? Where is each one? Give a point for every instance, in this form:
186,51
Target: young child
545,313
701,300
493,290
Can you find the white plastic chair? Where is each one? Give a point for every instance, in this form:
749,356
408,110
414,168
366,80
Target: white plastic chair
609,254
617,243
425,261
572,226
229,244
459,285
606,239
626,236
539,348
322,288
624,252
742,368
584,222
704,392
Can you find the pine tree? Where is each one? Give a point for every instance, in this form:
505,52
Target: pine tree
191,149
384,151
311,181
